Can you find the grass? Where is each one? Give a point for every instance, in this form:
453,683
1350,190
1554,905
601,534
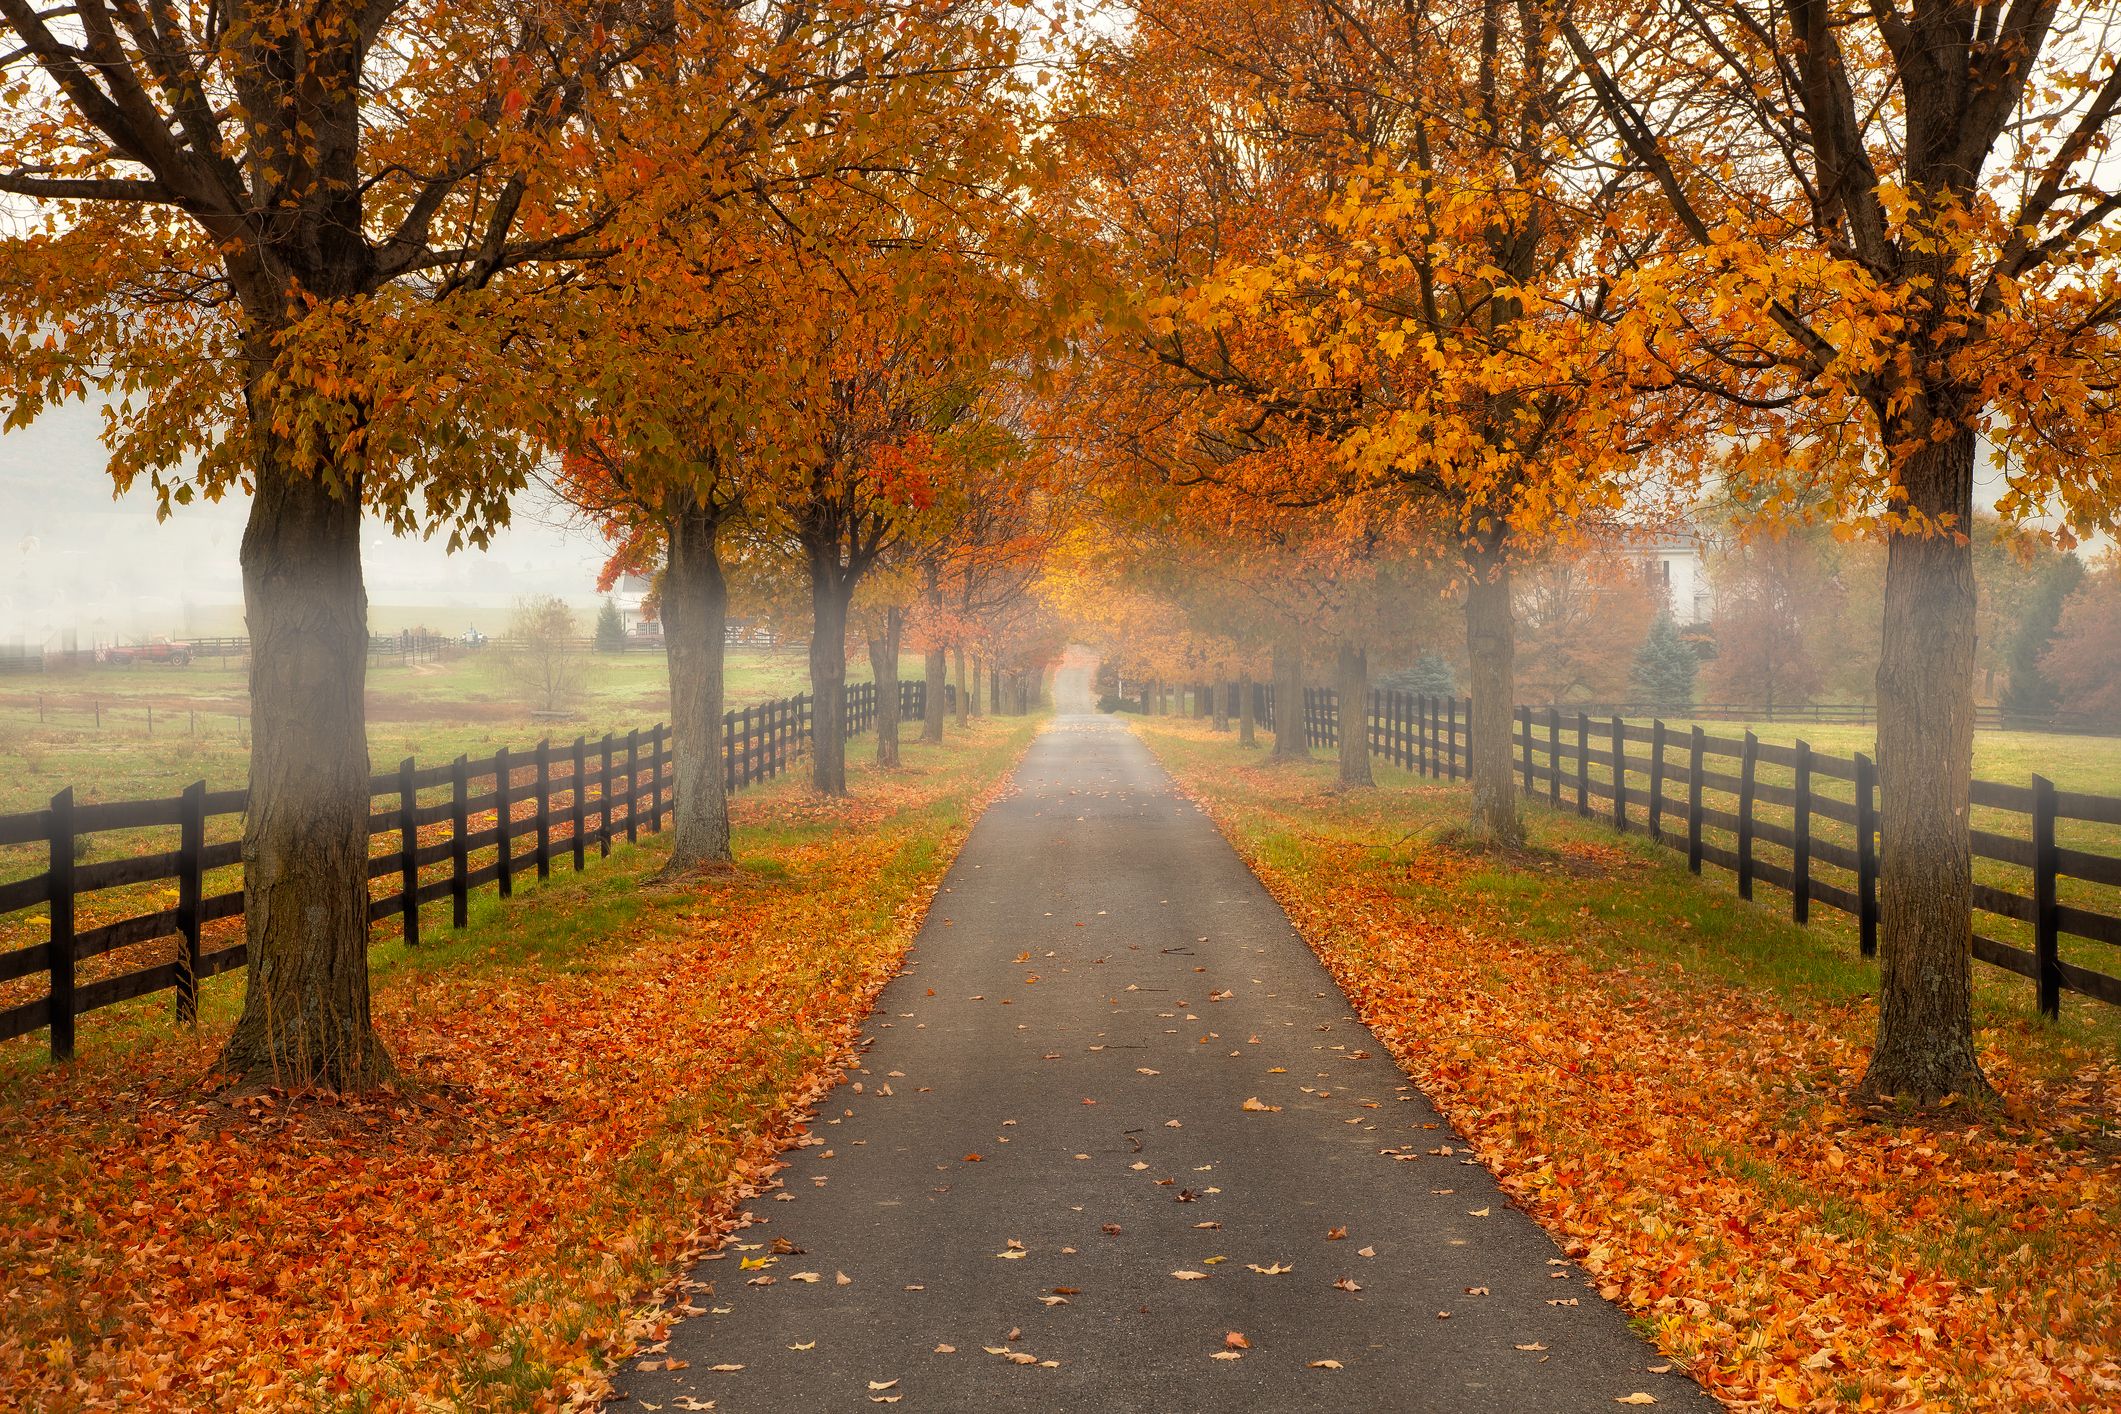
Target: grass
595,1072
1662,1074
92,729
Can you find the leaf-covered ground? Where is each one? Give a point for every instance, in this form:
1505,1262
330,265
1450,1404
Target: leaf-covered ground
604,1066
1660,1073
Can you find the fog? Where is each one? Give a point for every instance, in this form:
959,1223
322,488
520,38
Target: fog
73,556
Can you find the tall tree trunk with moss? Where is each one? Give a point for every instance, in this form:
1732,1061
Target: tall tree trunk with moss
1290,741
1247,728
1925,1046
695,622
828,682
1491,650
1352,688
935,669
306,1018
883,666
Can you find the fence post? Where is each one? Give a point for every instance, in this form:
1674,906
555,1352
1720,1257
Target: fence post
1801,839
1693,800
459,854
409,853
1620,776
1554,757
728,744
502,820
1748,763
191,888
1583,764
61,951
1866,856
2047,956
744,755
1524,731
578,805
604,800
655,770
633,785
1657,780
545,809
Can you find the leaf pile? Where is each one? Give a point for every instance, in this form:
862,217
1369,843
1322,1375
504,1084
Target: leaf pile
1692,1143
485,1238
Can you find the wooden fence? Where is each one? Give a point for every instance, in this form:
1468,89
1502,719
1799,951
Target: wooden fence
2046,861
435,832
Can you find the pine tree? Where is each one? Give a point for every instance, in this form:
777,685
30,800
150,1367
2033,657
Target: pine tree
1664,668
611,629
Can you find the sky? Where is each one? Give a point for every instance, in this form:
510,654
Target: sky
75,556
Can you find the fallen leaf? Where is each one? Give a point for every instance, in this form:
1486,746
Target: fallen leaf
1190,1276
882,1384
1236,1341
1638,1397
1325,1365
1274,1270
1255,1105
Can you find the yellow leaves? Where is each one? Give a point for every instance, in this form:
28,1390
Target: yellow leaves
1255,1105
1636,1398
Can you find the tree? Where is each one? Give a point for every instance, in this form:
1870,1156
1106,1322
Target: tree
543,657
2027,691
1778,615
1581,612
1666,664
1887,231
1377,229
2085,659
611,629
279,240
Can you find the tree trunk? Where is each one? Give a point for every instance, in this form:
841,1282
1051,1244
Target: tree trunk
695,619
1491,647
936,666
964,695
828,684
1352,685
1247,731
1219,695
994,688
1925,1043
305,1018
1289,741
883,666
979,705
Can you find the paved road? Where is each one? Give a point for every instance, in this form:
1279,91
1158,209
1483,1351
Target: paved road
1058,1110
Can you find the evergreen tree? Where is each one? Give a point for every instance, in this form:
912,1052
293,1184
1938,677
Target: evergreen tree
1665,666
2029,691
1431,675
611,629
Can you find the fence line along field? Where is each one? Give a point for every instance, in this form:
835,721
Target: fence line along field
2046,852
149,892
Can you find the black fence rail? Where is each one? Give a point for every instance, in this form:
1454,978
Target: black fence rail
435,832
1987,716
2047,862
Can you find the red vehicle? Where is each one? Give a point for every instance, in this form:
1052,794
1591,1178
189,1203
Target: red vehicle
155,650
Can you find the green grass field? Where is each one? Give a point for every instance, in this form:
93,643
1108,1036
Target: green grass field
135,732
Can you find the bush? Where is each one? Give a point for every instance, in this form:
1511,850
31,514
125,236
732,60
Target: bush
1111,703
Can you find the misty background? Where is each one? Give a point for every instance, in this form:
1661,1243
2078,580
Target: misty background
73,555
